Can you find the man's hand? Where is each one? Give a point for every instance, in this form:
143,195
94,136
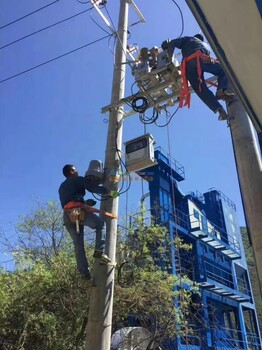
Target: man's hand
90,202
165,44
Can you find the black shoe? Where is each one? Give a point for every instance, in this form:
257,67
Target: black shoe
102,256
225,95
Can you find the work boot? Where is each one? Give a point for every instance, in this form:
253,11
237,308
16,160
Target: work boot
222,114
102,256
87,275
224,94
87,278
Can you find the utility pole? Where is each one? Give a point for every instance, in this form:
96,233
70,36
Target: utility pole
101,300
249,167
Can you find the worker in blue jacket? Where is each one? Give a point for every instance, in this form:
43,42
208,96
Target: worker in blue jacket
73,189
196,61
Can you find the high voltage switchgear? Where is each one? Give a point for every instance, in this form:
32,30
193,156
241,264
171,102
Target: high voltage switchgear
157,74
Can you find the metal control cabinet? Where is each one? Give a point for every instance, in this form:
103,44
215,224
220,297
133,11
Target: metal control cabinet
140,153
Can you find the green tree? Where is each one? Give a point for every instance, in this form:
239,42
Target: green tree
44,301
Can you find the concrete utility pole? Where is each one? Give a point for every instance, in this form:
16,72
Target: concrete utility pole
101,300
249,166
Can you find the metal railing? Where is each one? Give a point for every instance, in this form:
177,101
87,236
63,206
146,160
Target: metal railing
212,230
229,202
218,274
233,339
225,277
161,154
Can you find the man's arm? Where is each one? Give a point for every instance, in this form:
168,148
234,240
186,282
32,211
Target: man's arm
170,45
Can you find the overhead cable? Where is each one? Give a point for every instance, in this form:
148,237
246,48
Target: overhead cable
84,2
116,33
182,18
29,14
53,59
48,27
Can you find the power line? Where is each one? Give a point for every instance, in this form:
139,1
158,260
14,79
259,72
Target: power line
83,2
54,59
29,14
48,27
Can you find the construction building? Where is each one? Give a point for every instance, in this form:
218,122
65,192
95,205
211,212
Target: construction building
226,318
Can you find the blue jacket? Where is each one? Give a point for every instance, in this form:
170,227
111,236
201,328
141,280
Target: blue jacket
74,188
189,45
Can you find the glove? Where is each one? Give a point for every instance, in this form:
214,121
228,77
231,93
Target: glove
113,194
165,44
90,202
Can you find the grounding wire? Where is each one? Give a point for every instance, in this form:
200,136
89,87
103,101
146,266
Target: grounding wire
53,59
29,14
48,27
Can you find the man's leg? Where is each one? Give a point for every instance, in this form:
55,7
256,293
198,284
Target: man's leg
94,222
78,241
202,90
222,81
216,69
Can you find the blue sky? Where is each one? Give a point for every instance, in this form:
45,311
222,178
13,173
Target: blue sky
51,115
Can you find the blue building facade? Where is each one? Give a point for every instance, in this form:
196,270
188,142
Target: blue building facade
226,316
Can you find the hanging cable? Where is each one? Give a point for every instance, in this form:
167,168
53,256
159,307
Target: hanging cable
53,59
132,86
169,117
29,14
182,18
45,28
110,18
124,173
114,45
142,106
173,199
149,120
90,14
116,32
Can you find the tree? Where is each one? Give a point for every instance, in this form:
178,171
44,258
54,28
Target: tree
44,301
38,235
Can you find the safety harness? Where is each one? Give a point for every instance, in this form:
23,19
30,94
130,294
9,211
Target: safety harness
185,96
77,211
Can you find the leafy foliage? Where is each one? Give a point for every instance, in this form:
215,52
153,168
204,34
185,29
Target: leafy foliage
43,307
157,300
44,302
